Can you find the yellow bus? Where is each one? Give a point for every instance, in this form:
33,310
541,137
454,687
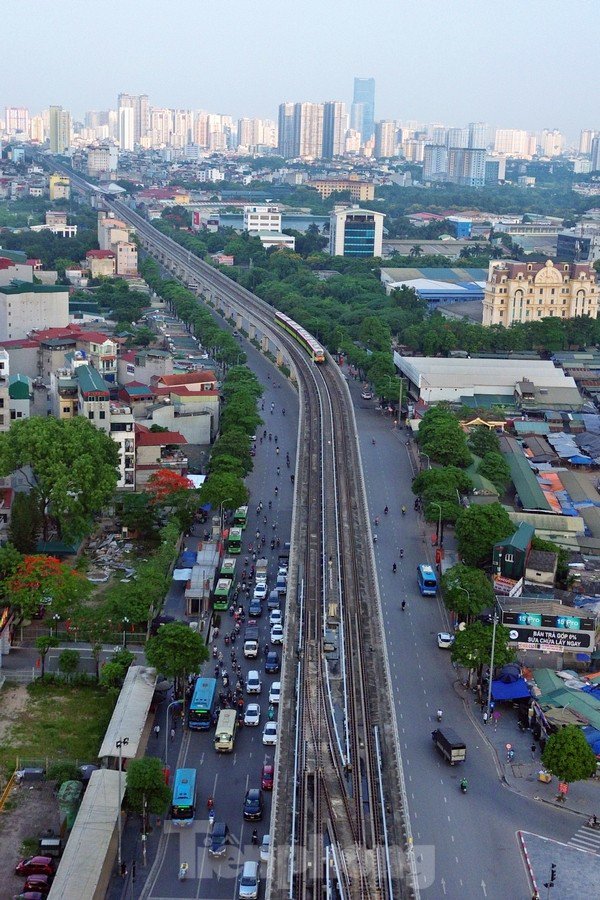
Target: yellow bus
225,731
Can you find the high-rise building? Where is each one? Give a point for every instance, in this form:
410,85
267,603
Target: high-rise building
595,154
466,167
17,121
438,134
435,162
355,232
37,132
335,125
385,139
585,141
161,126
308,130
60,129
126,127
364,93
478,135
511,142
457,137
182,127
141,113
551,142
285,130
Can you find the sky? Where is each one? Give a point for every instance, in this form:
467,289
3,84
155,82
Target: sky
512,63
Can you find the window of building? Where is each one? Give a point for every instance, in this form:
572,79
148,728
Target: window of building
90,415
102,414
66,409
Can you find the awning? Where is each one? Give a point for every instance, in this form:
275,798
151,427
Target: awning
187,559
580,460
182,574
516,690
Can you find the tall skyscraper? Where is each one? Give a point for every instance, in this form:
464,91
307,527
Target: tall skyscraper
478,135
17,121
595,154
141,113
551,142
457,137
126,127
385,139
364,93
60,129
511,142
435,162
308,130
466,167
161,126
585,141
335,125
285,130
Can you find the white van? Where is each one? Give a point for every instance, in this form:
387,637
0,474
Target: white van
250,881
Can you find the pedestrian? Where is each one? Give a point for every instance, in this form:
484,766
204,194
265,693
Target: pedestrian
533,749
485,718
156,730
172,734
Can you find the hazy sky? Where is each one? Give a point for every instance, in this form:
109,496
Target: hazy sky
512,63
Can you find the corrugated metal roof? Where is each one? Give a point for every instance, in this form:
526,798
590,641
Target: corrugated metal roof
526,484
130,713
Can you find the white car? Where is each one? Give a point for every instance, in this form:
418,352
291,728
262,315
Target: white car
445,640
270,734
265,847
276,617
277,634
253,682
282,570
252,714
260,591
275,692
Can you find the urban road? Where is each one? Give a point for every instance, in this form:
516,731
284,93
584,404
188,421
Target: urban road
465,845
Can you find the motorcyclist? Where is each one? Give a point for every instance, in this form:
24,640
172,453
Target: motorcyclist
373,441
439,715
386,511
374,538
271,712
403,510
394,567
401,552
403,604
463,785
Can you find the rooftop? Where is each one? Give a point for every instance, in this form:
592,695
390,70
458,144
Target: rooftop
147,438
26,287
91,381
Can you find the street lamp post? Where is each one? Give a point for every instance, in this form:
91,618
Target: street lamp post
489,697
167,729
125,624
428,458
122,742
221,505
56,620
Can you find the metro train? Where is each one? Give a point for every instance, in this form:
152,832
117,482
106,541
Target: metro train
300,334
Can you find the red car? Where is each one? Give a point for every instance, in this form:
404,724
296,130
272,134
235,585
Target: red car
40,883
36,865
266,781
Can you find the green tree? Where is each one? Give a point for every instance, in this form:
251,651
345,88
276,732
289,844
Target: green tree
483,440
73,468
68,663
146,783
472,648
176,651
447,479
494,467
568,755
10,560
467,591
441,437
139,513
223,487
25,522
477,530
43,644
41,578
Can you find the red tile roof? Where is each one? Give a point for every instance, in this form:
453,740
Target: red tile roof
100,254
147,438
6,263
22,344
185,378
182,390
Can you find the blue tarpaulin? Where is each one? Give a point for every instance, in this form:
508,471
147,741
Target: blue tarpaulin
187,559
581,460
592,736
516,690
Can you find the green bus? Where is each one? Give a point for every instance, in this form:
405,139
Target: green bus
234,545
222,593
227,568
240,517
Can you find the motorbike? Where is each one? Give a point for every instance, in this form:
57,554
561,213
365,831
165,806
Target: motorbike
271,713
463,786
439,715
593,822
183,870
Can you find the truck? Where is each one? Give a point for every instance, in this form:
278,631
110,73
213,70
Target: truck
450,745
261,568
251,642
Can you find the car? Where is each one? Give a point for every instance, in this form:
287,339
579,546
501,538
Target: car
252,714
36,865
274,600
281,585
40,883
275,692
277,634
260,591
255,608
272,663
265,848
253,805
270,734
266,779
282,570
445,640
249,881
29,895
253,682
219,839
276,617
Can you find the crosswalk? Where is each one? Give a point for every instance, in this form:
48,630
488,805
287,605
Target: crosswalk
587,839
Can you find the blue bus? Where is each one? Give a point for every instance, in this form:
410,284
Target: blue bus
427,580
183,804
202,704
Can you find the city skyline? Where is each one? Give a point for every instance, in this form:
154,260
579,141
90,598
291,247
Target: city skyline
432,68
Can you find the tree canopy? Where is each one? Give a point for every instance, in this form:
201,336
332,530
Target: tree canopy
472,647
568,755
478,528
176,651
467,591
442,439
146,782
43,579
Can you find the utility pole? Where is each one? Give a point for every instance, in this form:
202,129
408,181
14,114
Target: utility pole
122,742
489,697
